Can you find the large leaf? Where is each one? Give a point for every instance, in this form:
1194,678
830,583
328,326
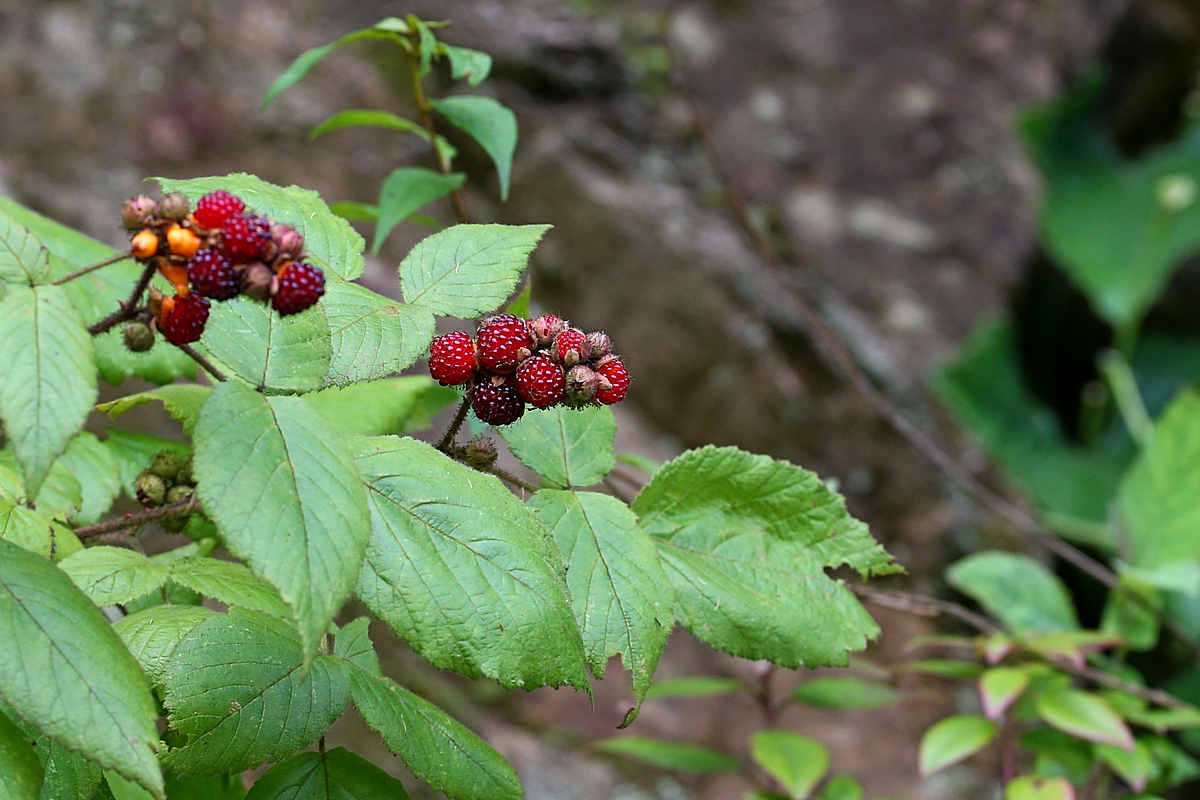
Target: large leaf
371,335
372,409
69,776
20,770
405,191
181,400
796,761
335,775
746,541
1085,716
621,595
49,381
94,466
23,259
467,270
286,498
954,739
463,571
490,123
237,689
151,635
113,575
369,117
232,584
328,239
34,531
1020,592
278,354
309,58
209,787
566,447
64,669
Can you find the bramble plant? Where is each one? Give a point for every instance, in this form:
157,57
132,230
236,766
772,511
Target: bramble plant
296,464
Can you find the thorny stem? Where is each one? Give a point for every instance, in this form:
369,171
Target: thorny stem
180,509
829,345
426,110
203,362
448,438
130,308
79,273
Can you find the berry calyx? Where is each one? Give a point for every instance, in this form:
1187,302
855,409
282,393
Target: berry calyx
216,208
144,244
617,376
182,242
452,358
182,319
502,339
541,381
543,329
245,238
213,275
497,404
568,346
300,287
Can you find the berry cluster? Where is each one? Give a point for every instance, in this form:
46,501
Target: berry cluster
216,252
543,362
166,481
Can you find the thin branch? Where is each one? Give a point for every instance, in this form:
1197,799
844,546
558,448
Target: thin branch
130,308
511,479
203,362
448,438
426,110
79,273
180,509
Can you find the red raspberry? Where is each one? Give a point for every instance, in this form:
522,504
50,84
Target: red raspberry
300,286
615,373
183,322
212,275
452,358
501,339
541,381
568,346
245,238
497,405
215,208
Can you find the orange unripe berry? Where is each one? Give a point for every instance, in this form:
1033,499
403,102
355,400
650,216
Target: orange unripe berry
144,244
182,242
165,306
178,277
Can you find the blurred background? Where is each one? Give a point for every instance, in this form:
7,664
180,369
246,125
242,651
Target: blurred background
876,142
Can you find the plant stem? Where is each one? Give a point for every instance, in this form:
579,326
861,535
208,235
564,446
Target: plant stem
1008,749
203,362
1121,380
765,701
180,509
448,438
511,479
426,110
129,308
79,273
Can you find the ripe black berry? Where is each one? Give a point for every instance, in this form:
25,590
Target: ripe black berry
497,405
184,318
212,275
300,286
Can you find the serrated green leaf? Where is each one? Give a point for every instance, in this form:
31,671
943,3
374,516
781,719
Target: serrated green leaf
353,643
153,634
467,63
335,775
372,336
467,270
304,529
842,787
436,747
33,531
844,692
746,541
69,776
66,671
98,473
213,787
669,755
999,688
328,239
367,117
405,191
181,400
23,259
1017,590
21,772
278,354
622,599
49,381
372,409
232,584
1083,715
60,496
113,575
567,447
488,122
464,571
1029,787
309,58
237,689
954,739
796,761
699,686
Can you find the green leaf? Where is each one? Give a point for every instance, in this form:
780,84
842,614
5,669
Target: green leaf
844,692
355,212
372,409
99,475
1020,592
353,643
953,740
64,669
999,688
1083,715
278,354
746,541
488,122
328,239
796,761
436,748
335,775
405,191
49,381
23,259
113,575
181,400
371,335
519,307
620,593
467,63
428,46
237,689
124,790
309,58
1158,498
842,787
20,770
464,571
1029,787
232,584
467,270
669,755
33,531
153,634
69,776
215,787
565,446
699,686
304,529
1132,766
367,117
942,668
135,451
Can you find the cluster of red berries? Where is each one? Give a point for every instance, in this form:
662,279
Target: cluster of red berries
543,362
216,253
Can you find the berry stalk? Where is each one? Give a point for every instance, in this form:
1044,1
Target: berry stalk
130,309
448,438
79,273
